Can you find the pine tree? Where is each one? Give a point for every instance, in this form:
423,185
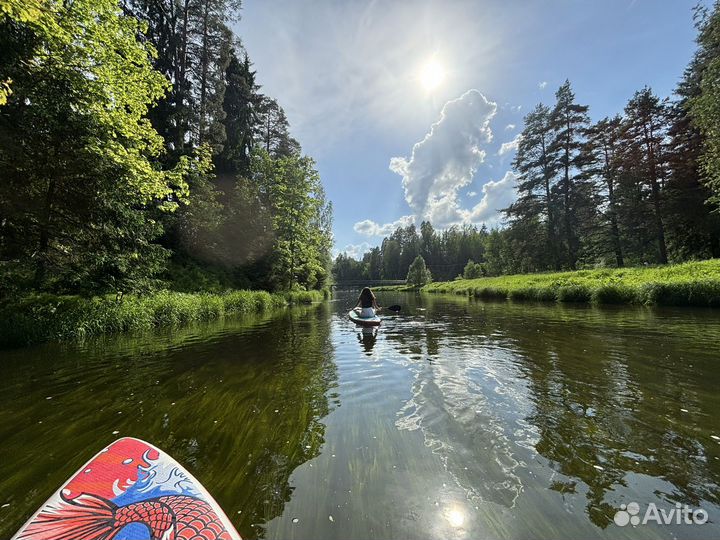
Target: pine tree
240,104
536,170
273,130
644,132
568,121
601,164
693,216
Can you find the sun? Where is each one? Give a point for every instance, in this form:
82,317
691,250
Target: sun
432,74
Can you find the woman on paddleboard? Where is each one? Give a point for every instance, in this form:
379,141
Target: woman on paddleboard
367,303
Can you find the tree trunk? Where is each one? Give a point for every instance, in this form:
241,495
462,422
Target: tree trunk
181,80
572,257
614,229
551,217
659,227
204,71
44,236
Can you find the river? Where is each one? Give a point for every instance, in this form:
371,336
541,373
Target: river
454,419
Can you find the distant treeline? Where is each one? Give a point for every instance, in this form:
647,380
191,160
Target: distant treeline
640,187
136,151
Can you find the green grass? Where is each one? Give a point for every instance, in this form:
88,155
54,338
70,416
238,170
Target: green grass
397,288
686,284
47,317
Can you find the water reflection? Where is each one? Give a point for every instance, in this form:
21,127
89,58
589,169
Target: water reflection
473,420
619,403
241,409
367,338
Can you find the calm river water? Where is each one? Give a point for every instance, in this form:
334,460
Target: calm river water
455,419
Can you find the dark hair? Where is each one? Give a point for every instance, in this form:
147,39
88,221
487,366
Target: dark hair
367,295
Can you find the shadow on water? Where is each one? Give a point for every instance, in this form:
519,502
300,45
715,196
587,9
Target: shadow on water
239,403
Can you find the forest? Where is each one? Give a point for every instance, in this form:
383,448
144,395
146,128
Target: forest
138,152
638,188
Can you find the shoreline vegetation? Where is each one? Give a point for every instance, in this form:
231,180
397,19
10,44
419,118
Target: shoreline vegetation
685,284
46,317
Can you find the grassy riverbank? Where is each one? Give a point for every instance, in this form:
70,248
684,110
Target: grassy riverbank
687,284
47,317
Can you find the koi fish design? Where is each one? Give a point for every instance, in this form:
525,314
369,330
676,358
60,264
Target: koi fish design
130,490
172,517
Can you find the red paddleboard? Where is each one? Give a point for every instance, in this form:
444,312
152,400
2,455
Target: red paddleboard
130,491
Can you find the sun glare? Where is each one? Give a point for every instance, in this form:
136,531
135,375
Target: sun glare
432,74
455,517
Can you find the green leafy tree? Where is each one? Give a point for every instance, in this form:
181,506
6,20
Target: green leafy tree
705,104
300,217
418,274
472,270
78,156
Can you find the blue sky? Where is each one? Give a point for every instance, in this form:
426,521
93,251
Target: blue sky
353,79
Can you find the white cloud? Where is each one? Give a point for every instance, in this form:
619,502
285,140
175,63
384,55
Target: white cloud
447,158
472,193
369,227
496,196
516,108
356,251
510,146
542,85
509,127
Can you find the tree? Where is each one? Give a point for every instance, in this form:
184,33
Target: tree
692,213
568,121
418,274
644,132
273,130
373,261
390,259
80,173
536,170
472,270
601,164
240,105
705,104
300,220
212,50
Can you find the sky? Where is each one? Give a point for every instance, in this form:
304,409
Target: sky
412,109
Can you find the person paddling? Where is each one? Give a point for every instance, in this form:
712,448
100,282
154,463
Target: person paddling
368,304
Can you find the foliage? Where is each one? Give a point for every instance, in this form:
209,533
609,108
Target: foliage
126,139
705,104
79,173
473,270
418,274
301,220
48,317
686,284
